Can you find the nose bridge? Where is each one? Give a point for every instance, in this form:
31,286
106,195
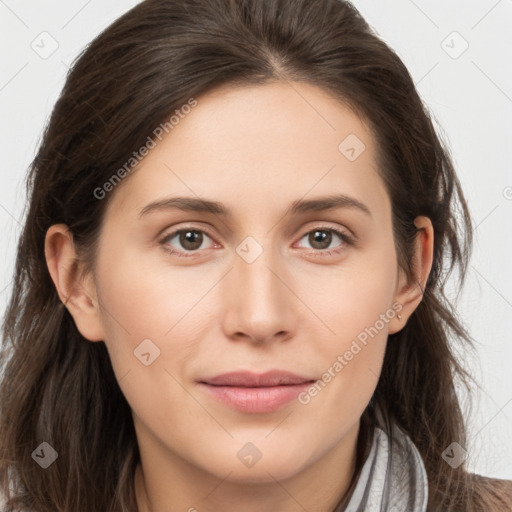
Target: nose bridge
258,302
256,257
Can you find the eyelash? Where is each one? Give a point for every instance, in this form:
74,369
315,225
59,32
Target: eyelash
347,240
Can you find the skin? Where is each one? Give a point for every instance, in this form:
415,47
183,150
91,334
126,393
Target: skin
256,149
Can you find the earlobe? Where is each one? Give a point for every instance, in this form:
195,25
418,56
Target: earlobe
77,292
410,293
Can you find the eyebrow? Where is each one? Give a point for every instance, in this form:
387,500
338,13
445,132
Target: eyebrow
195,204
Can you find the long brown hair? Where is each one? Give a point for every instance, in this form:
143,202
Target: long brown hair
59,388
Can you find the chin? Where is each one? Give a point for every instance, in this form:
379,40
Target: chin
273,465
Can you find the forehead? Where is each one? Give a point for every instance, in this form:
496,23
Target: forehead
258,145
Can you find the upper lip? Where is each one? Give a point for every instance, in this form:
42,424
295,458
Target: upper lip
250,379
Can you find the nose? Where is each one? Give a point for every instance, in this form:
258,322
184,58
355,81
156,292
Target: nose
260,303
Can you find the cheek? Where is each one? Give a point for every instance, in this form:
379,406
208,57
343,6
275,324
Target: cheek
352,358
135,307
143,315
351,298
356,305
146,297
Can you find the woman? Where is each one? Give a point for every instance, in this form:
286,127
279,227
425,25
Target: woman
146,371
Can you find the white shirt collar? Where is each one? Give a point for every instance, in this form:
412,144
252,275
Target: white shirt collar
393,477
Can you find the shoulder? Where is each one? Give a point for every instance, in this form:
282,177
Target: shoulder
497,483
495,488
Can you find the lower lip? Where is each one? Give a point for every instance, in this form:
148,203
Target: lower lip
263,399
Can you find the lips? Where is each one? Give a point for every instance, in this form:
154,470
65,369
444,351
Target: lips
249,392
255,380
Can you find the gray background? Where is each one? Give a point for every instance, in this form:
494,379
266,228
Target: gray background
468,92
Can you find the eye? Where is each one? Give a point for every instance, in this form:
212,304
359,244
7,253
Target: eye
190,239
321,237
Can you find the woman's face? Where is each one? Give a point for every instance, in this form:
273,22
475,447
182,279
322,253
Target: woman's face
262,287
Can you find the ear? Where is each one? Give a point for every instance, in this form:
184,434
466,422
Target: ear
410,293
76,291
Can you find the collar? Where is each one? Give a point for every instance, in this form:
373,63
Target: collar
393,477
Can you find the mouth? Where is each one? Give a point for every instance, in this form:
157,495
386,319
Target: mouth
255,393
